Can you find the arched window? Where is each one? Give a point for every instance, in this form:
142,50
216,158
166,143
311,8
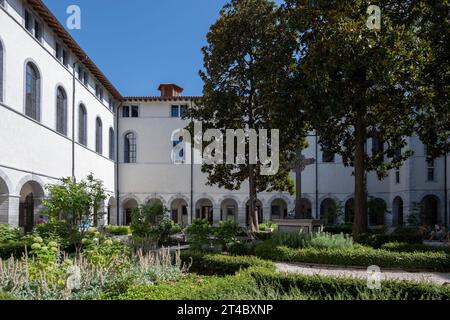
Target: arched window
112,145
98,136
32,92
61,111
130,148
1,72
82,125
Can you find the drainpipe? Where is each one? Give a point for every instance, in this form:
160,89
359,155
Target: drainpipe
73,120
446,190
317,177
116,165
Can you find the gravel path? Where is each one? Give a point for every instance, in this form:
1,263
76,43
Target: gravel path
430,277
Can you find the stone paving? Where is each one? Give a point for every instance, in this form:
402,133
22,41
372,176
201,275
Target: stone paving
304,269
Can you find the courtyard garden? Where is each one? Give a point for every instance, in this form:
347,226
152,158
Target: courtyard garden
75,257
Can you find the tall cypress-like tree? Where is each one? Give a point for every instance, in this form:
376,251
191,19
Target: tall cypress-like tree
247,73
357,84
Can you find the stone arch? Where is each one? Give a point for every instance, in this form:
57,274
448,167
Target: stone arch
429,210
377,209
398,212
30,202
156,197
204,208
229,208
329,211
279,207
177,197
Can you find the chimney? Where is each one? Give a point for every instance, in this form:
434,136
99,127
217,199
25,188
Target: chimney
170,90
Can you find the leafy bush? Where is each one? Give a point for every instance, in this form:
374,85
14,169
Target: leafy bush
227,233
315,240
359,256
378,240
338,229
198,234
218,264
60,231
8,234
103,251
118,230
268,225
242,248
150,222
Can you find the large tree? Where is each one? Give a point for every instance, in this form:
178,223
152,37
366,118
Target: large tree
357,84
247,73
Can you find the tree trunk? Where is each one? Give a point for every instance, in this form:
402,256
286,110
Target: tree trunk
360,218
253,215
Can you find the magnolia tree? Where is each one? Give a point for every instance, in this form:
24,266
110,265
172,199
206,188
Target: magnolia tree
79,203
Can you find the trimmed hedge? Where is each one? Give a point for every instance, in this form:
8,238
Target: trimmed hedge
378,240
325,287
218,264
409,247
360,256
118,230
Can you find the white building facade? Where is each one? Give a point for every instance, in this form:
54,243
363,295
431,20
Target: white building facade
61,117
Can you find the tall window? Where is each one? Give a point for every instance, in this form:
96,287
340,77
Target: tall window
112,146
132,112
99,136
130,148
328,157
1,72
32,92
61,111
430,169
377,145
82,125
33,25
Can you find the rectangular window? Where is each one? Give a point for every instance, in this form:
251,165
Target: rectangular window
397,176
183,110
110,104
377,145
86,78
80,73
175,112
328,157
28,21
37,30
58,51
430,170
134,111
125,111
65,58
231,211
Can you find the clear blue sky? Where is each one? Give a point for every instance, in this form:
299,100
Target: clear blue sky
139,44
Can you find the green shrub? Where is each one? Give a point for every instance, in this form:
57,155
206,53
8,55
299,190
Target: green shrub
359,256
242,248
8,234
6,296
198,234
315,240
338,229
218,264
227,233
118,230
378,240
264,235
